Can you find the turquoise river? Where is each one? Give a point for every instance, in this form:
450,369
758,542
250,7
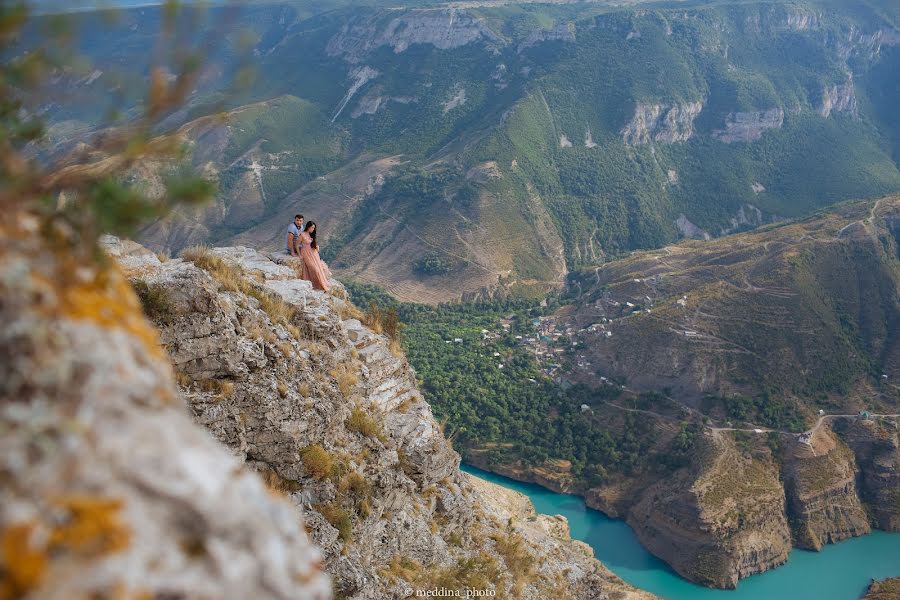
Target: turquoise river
839,572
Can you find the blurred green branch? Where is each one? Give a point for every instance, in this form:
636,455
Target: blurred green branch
87,188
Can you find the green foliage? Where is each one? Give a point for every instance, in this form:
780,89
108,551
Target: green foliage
765,409
433,264
516,410
339,518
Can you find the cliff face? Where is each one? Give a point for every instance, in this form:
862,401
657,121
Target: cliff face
441,28
718,522
328,411
820,482
661,123
749,126
108,489
839,98
877,451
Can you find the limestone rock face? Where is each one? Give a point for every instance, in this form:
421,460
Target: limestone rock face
108,487
820,483
560,554
839,98
661,123
877,449
442,28
716,523
749,126
328,411
562,32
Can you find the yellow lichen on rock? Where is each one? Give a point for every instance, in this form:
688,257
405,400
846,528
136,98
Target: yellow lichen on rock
23,566
92,526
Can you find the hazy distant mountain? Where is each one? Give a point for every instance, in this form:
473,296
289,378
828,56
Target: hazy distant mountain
463,151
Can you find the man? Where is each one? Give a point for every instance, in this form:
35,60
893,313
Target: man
293,236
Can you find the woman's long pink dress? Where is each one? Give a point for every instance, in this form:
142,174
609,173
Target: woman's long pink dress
314,268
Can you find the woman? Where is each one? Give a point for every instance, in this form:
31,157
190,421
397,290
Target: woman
314,268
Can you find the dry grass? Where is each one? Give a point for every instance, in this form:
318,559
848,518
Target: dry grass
303,389
183,379
286,349
232,278
220,387
345,377
519,562
347,310
317,461
279,484
282,388
339,518
383,321
396,348
406,405
257,332
361,422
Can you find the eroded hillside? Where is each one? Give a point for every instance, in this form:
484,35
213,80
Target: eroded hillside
329,413
732,398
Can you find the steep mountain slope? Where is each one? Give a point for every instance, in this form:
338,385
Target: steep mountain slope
330,414
716,391
108,489
806,311
531,139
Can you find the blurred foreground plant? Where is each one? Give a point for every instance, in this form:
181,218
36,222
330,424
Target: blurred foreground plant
86,192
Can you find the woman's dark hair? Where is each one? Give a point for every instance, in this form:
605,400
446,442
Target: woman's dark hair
312,234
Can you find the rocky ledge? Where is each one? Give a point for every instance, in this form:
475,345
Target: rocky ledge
107,487
327,410
886,589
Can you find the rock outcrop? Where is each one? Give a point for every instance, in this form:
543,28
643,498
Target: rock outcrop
839,98
561,32
328,411
108,487
442,28
820,483
563,557
661,123
749,126
885,589
690,230
719,521
876,446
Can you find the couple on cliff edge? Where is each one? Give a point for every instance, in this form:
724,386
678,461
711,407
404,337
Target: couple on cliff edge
301,243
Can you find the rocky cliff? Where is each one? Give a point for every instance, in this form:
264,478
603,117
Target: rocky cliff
327,410
661,123
820,483
107,487
719,521
762,298
441,28
886,589
749,126
877,450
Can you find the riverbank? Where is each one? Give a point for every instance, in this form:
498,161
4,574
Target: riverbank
838,572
